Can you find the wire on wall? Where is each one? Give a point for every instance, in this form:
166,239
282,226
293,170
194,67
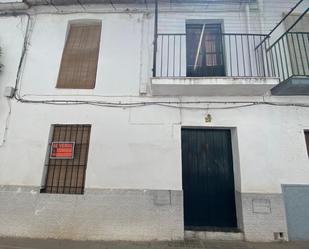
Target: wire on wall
6,127
169,104
20,64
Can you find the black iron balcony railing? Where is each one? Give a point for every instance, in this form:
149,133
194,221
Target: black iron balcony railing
206,51
290,52
290,56
214,55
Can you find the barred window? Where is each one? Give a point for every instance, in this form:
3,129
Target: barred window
78,67
67,159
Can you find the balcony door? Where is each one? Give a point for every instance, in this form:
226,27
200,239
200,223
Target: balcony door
204,50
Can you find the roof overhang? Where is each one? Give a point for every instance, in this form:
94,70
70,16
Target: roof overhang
13,4
72,2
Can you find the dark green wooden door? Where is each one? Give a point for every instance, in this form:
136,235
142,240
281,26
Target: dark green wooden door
208,179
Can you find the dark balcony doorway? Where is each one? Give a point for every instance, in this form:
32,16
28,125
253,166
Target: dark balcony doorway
208,179
204,50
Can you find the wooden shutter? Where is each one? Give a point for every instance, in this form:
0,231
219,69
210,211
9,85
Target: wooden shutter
78,67
67,176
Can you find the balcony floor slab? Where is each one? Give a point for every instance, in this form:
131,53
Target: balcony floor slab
212,86
296,85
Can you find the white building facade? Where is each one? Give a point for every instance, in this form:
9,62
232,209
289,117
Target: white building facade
154,149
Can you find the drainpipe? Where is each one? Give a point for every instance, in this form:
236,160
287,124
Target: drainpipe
261,15
25,42
155,40
248,18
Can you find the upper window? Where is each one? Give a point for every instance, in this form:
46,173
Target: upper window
307,140
78,67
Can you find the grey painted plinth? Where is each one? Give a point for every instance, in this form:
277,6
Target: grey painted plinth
263,216
140,215
96,215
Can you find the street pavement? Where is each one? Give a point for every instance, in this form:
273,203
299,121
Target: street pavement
21,243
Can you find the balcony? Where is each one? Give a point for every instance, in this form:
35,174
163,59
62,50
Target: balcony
291,63
206,62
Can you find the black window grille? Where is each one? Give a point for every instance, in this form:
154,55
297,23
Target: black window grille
67,176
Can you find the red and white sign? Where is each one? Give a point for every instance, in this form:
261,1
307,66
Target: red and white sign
62,150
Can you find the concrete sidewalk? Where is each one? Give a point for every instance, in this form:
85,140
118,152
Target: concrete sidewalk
13,243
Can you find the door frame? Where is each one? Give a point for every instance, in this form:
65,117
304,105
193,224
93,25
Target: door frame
236,169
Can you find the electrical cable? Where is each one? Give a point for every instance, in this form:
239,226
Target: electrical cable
170,104
25,44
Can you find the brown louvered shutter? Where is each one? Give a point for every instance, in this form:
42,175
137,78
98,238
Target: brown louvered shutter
78,67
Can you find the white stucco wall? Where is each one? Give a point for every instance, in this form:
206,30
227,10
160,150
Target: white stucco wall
136,148
141,148
119,58
11,42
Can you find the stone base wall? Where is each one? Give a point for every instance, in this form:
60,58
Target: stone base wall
96,215
103,214
263,217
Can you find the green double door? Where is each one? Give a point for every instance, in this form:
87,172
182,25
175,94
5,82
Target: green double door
208,179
